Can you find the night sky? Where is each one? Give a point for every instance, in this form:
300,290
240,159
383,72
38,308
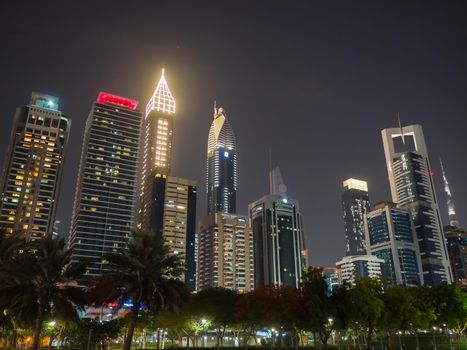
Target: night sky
314,81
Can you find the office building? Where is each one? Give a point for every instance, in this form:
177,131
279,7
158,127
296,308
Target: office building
157,139
391,237
103,212
33,166
355,205
225,253
413,189
221,165
456,240
351,268
278,236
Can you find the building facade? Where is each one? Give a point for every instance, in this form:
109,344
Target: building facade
278,235
391,237
225,253
355,205
413,189
456,240
351,268
33,167
103,212
221,181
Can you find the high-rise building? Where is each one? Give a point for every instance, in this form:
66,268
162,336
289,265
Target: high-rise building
413,189
355,205
351,268
391,236
456,240
221,165
103,212
33,167
225,253
450,201
179,222
278,236
157,139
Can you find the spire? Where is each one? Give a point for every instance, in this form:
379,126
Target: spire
400,127
162,99
276,183
451,207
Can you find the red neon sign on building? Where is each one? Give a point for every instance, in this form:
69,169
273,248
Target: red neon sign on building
105,97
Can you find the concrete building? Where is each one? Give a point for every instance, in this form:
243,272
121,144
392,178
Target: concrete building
278,234
33,166
351,268
225,253
355,205
391,236
413,189
104,208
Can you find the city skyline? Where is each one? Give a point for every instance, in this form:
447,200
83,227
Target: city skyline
319,108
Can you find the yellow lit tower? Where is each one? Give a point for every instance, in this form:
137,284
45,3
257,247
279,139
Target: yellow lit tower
157,155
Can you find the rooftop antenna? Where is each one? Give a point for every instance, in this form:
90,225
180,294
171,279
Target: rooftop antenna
400,127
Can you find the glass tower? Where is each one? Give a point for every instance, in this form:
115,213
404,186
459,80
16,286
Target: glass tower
391,237
355,205
221,165
103,213
413,189
33,166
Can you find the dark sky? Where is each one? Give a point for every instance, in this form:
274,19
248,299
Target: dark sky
314,81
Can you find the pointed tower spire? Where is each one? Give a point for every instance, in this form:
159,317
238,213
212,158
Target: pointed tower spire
400,127
162,99
451,207
276,183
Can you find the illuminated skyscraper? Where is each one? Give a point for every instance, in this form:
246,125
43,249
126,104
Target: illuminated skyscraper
103,213
413,189
157,141
33,166
350,268
456,240
221,165
278,237
355,204
391,236
451,207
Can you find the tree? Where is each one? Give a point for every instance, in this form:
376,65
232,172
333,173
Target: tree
217,305
366,305
318,303
450,306
401,311
40,283
147,274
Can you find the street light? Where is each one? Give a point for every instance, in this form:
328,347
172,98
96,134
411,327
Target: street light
52,323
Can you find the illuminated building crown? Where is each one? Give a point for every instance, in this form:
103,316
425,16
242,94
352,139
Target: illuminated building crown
162,99
221,134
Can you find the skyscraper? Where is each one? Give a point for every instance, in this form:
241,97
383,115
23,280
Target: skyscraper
350,268
355,204
391,236
103,213
456,240
157,139
225,253
33,166
450,201
278,236
413,189
221,165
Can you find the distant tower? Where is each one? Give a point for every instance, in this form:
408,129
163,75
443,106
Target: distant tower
221,165
103,212
33,166
355,205
278,235
451,207
157,138
413,189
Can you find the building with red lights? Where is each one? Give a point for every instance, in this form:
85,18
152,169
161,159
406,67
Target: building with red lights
104,208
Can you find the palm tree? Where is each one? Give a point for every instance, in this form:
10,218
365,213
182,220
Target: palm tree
147,274
41,282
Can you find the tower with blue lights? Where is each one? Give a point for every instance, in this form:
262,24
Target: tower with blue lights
221,165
